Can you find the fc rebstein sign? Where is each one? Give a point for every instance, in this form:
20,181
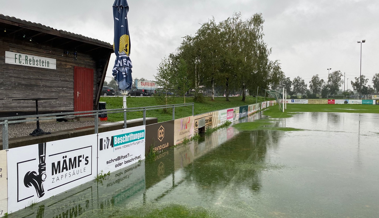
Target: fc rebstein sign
43,170
30,60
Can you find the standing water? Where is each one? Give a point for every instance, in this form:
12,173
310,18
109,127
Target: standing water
329,169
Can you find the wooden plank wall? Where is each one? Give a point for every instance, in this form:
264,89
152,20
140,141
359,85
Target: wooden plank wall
28,82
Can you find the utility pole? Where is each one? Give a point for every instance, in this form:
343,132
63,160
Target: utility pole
360,69
344,80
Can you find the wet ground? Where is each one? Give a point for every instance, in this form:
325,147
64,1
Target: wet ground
328,170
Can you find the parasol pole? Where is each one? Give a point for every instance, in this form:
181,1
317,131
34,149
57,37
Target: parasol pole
124,105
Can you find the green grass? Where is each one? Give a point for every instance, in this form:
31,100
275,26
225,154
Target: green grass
292,109
264,124
208,106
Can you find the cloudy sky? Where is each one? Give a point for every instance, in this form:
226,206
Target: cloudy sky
306,36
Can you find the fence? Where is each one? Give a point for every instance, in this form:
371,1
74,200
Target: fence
94,113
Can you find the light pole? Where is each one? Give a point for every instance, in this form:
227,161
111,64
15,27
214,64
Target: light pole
360,70
328,80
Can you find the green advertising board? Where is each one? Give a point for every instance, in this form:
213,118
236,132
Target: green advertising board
367,102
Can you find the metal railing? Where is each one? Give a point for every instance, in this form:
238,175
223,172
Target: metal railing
5,121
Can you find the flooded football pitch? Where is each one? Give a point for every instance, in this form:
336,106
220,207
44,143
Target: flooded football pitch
329,169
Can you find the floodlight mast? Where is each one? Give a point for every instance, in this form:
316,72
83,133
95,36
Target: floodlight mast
283,99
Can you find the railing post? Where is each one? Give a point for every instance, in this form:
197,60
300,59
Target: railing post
193,109
144,116
125,119
97,122
5,135
173,112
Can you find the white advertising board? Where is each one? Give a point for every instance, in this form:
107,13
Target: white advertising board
41,171
299,101
355,101
263,105
147,85
120,148
339,101
236,113
222,115
183,129
230,114
3,183
30,60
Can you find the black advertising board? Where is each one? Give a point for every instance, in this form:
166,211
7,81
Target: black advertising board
377,102
159,136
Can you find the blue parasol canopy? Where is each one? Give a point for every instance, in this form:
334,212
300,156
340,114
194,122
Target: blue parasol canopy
122,70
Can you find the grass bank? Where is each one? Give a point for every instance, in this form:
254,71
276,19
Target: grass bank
264,124
340,108
207,106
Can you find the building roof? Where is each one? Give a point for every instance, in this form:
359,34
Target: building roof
11,27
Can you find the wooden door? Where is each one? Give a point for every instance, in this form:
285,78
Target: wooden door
83,89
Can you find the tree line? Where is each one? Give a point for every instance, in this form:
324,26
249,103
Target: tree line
233,57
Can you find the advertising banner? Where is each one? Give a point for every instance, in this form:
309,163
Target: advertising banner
159,136
339,101
202,120
371,102
230,115
375,97
377,102
253,108
317,101
183,129
263,105
355,101
300,101
244,110
222,115
43,170
331,101
3,183
120,148
236,113
184,155
146,85
215,118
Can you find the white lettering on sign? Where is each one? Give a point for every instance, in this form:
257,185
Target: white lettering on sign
30,60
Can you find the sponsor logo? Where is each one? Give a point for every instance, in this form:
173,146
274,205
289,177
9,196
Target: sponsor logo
65,167
106,143
185,123
128,138
161,133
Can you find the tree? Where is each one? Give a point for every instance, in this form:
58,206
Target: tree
375,81
316,84
276,75
113,84
299,85
334,82
180,80
360,84
165,76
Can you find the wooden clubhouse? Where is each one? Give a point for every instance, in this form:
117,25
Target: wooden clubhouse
37,61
